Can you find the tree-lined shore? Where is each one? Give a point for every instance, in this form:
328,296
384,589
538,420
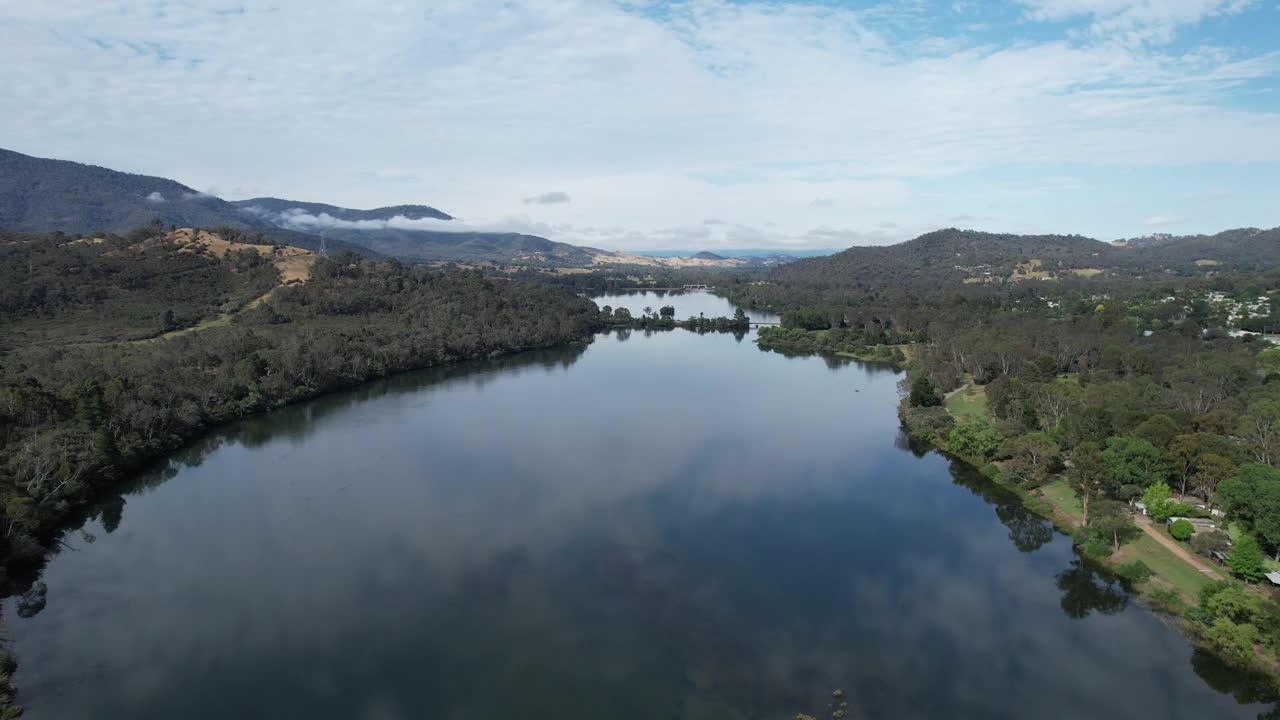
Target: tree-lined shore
1093,397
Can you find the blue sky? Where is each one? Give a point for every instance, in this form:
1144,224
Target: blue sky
702,124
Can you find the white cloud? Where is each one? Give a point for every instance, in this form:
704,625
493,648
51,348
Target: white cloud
1159,220
548,198
1138,20
155,197
745,111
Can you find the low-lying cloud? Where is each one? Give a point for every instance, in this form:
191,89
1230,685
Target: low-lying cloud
549,198
155,197
303,221
706,235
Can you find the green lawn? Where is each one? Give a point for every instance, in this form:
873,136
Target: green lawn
1167,565
969,402
1058,493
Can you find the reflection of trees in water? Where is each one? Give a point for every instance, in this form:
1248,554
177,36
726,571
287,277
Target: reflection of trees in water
293,422
296,422
1027,531
1245,686
33,600
915,446
1086,589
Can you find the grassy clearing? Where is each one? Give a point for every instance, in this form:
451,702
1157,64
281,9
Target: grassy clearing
1064,498
1182,576
971,401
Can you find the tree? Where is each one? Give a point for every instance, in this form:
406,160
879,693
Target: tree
1181,529
1159,430
1093,424
1270,360
1129,493
1030,457
1088,474
1111,519
667,311
1211,470
1205,543
923,394
974,439
806,319
1260,428
739,316
1253,496
1134,461
1181,455
1246,559
1056,400
1158,499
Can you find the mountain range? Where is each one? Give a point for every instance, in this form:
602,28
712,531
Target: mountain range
38,194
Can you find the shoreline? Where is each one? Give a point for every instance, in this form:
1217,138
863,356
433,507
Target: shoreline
1150,595
125,473
26,576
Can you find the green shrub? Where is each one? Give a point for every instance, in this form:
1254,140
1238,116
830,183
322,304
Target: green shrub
1096,549
1136,571
1167,601
974,439
1246,559
1181,530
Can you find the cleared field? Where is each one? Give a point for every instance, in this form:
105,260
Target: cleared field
969,401
1183,577
1064,498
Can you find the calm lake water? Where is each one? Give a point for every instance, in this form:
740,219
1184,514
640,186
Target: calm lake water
659,525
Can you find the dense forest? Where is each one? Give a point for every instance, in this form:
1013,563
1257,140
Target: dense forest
1108,392
76,417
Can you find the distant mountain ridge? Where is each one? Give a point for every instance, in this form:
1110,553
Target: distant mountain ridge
389,231
41,195
952,254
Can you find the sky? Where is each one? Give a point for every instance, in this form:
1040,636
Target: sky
634,124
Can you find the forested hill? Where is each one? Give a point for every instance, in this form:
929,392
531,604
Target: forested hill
944,254
118,349
979,257
42,195
1248,249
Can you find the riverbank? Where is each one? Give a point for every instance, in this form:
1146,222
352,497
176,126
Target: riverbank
836,341
1169,582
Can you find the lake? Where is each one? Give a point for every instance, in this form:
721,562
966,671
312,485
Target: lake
657,525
